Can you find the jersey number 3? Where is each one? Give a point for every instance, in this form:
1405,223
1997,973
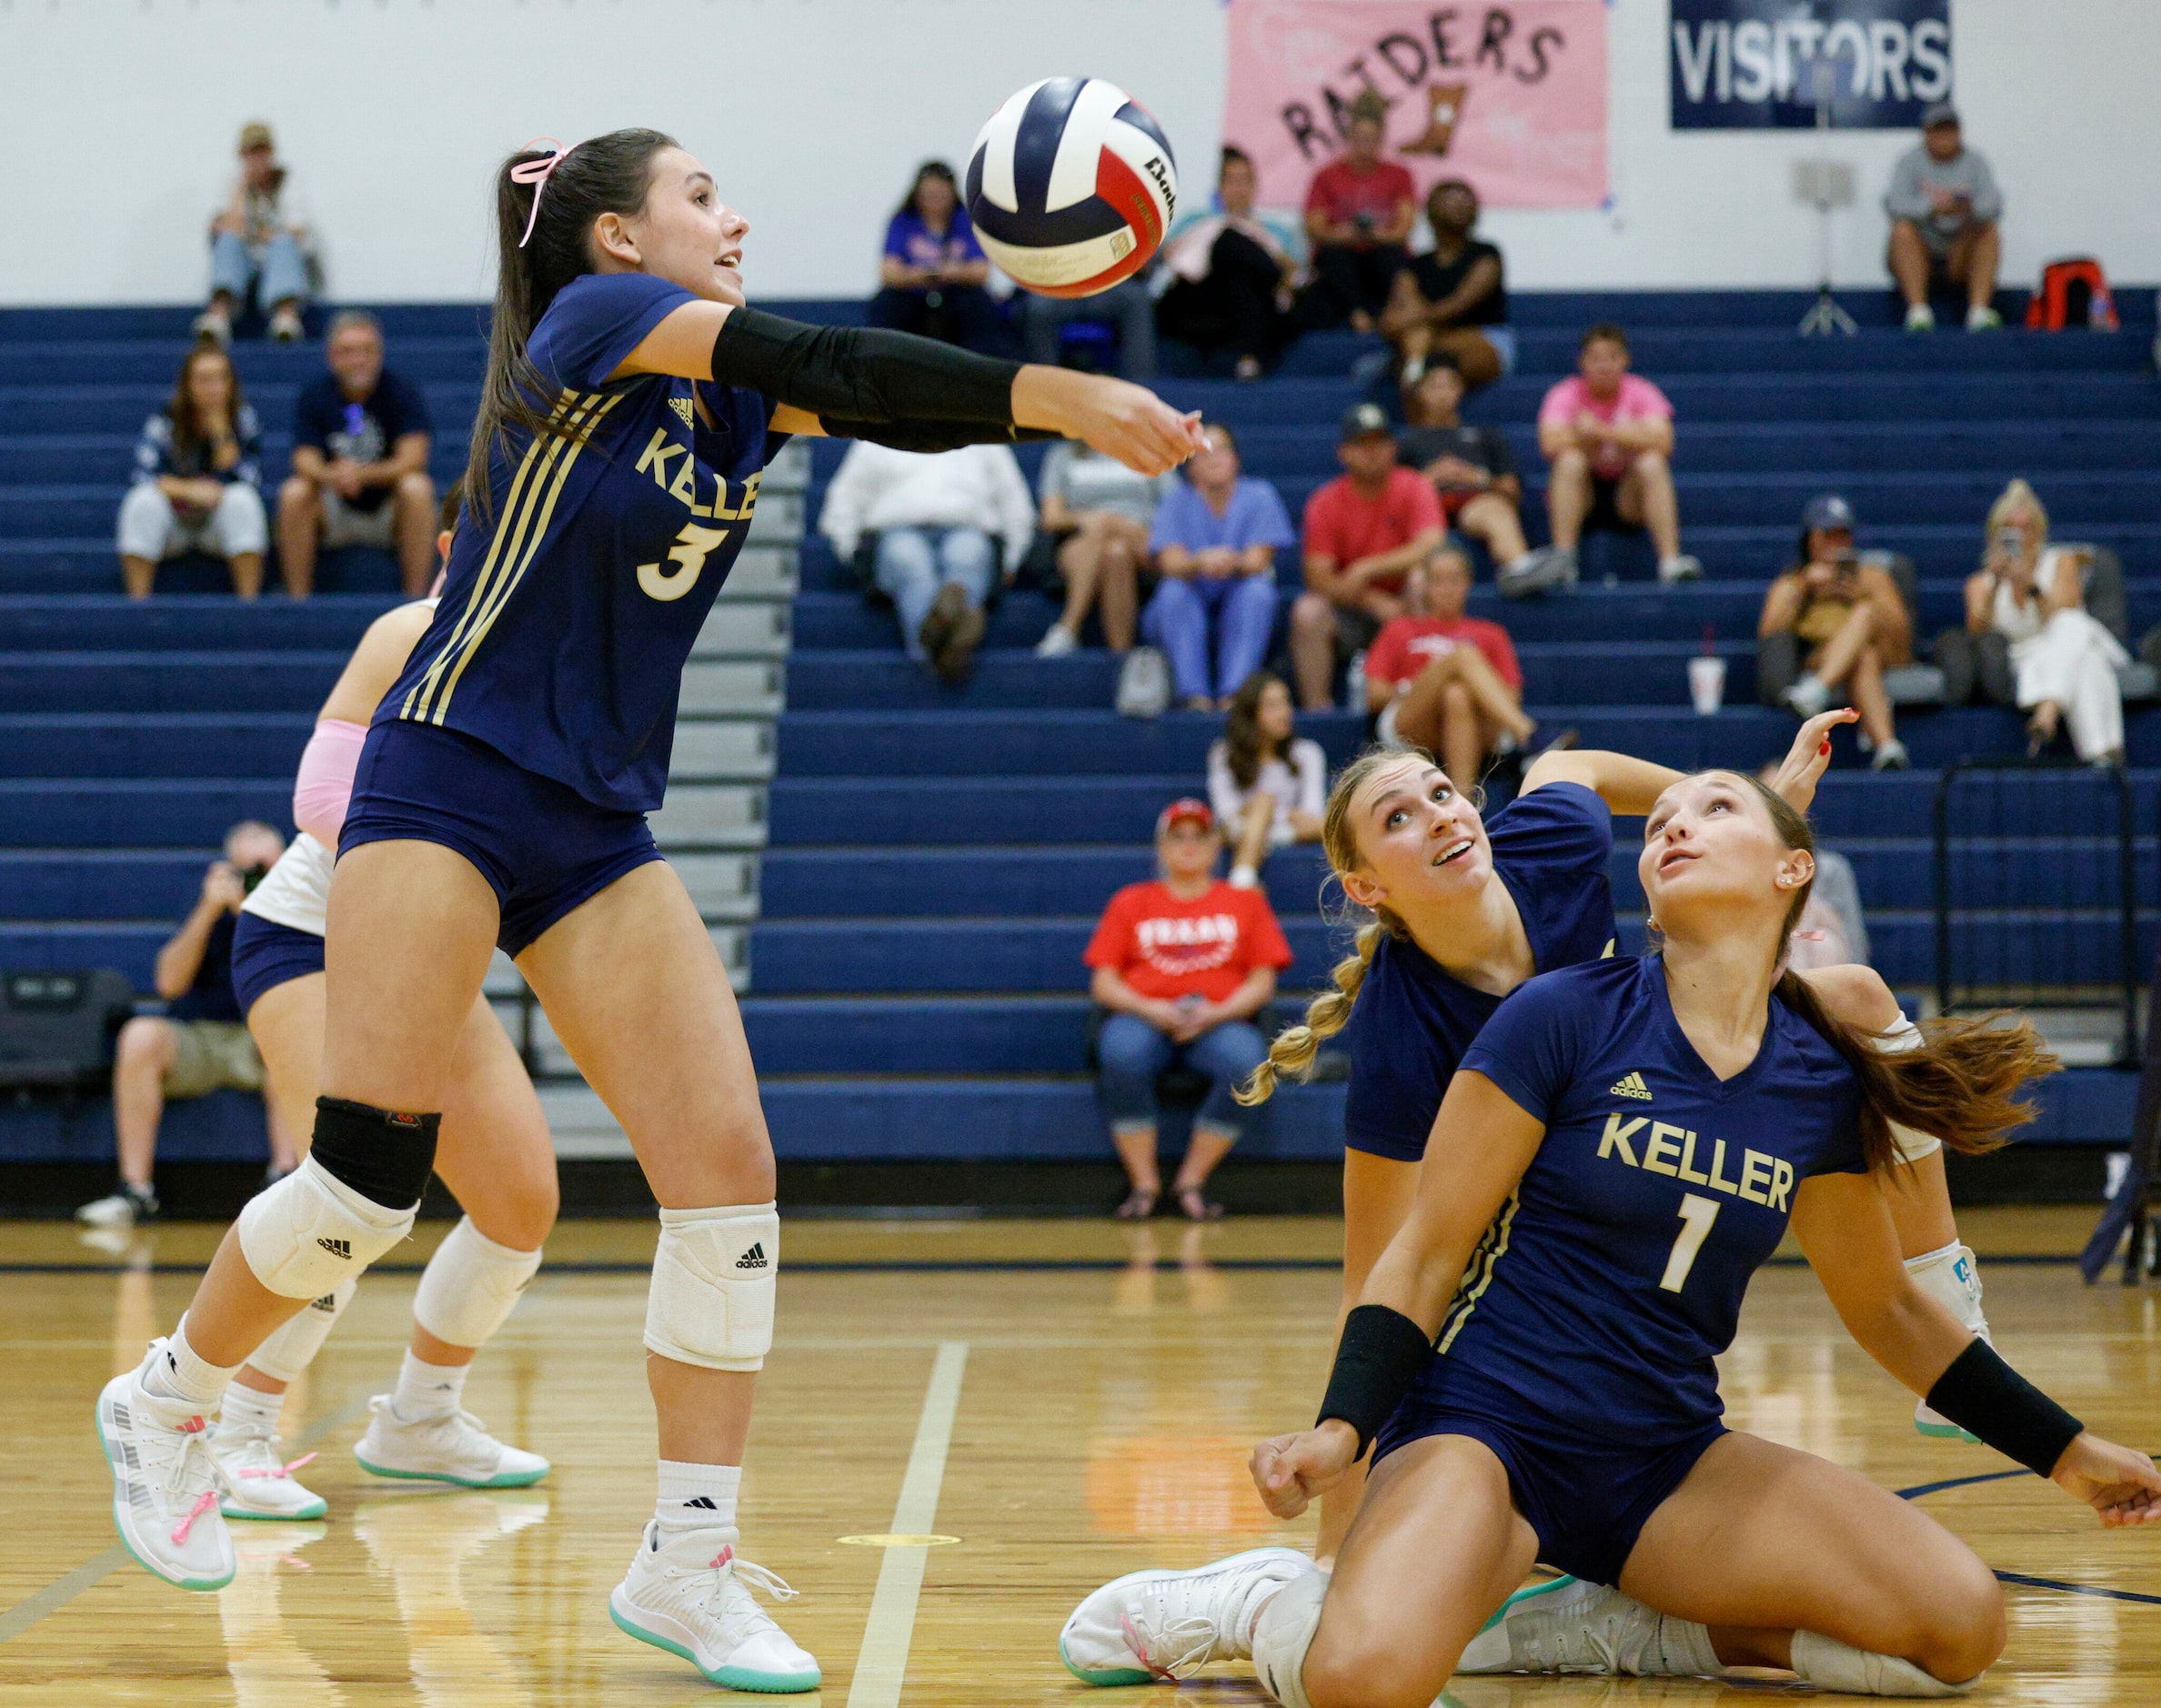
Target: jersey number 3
692,546
1697,1214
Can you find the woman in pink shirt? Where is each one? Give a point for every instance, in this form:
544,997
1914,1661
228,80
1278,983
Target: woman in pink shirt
1609,435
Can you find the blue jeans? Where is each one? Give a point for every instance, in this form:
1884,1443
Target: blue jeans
1126,304
1129,1053
1242,610
234,266
913,563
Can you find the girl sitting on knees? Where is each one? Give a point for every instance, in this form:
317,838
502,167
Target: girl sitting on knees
1182,963
1267,786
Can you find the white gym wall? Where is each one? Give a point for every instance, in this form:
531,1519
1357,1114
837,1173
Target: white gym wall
117,119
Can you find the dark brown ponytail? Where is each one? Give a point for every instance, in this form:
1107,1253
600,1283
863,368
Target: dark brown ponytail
605,174
1963,1084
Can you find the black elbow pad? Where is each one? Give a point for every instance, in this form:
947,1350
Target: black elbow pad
861,374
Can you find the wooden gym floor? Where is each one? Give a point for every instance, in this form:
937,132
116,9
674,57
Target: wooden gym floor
1049,1403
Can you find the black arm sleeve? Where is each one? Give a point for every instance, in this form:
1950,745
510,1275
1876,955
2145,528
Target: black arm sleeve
1984,1395
928,435
1382,1352
862,374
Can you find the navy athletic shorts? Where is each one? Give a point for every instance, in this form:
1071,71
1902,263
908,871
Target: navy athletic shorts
1588,1500
543,848
266,954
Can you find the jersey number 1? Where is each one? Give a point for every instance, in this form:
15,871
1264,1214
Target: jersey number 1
688,556
1697,1214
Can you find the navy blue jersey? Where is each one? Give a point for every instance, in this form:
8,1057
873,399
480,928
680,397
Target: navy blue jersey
1412,1021
565,621
1613,1275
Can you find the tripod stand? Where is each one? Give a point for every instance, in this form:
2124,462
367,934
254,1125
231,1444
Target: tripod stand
1824,183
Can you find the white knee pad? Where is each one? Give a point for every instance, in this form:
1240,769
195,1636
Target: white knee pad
712,1299
292,1347
470,1286
311,1231
1283,1634
1835,1665
1951,1275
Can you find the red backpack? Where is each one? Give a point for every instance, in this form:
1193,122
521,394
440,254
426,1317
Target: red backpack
2074,292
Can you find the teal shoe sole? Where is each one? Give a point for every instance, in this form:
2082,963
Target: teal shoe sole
186,1583
728,1677
507,1480
301,1516
1529,1593
1104,1675
1945,1432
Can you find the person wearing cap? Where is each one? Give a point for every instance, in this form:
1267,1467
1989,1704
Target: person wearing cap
1831,625
259,241
1608,435
1179,967
1363,531
1943,205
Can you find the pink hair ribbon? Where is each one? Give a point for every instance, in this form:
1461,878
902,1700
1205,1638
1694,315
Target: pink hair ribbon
537,173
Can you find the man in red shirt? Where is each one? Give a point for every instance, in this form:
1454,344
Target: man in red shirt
1358,212
1447,682
1182,964
1363,531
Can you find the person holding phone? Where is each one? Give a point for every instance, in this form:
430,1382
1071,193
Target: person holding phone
2032,640
200,1043
1831,625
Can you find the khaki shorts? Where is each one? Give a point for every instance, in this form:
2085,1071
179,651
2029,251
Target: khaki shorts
212,1055
345,525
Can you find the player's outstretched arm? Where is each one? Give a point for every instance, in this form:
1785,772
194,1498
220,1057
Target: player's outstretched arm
1843,1224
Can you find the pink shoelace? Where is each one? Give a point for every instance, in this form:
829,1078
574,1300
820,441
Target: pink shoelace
204,1502
285,1469
1141,1652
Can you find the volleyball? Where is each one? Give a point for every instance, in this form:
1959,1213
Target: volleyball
1070,186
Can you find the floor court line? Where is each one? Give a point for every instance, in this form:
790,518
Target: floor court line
94,1570
881,1665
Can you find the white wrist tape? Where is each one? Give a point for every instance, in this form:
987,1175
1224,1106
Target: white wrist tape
470,1286
293,1343
712,1300
1834,1665
311,1231
1900,1036
1283,1634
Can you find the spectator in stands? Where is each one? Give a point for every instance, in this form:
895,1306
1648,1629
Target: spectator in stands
1363,531
1231,275
2033,644
1943,205
1832,930
931,275
1446,682
1359,212
1268,785
1128,306
198,479
1215,539
360,442
258,243
1454,298
1182,964
200,1043
1831,625
925,531
1472,472
1609,435
1100,511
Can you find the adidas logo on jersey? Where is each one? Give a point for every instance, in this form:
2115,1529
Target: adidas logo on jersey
338,1248
681,406
1630,1085
755,1257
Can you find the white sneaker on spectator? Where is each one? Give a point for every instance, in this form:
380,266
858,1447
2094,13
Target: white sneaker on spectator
122,1208
1679,566
284,324
1920,317
1807,697
1981,318
211,325
1057,641
1144,684
1245,877
1890,756
1535,571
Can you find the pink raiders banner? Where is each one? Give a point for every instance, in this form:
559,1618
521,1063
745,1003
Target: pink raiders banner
1509,96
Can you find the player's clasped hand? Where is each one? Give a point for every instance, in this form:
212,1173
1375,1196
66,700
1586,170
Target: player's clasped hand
1291,1470
2120,1484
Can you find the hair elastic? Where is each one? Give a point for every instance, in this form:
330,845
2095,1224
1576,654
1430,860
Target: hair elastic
537,173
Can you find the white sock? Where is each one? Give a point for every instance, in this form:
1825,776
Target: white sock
1284,1633
696,1497
1835,1665
249,1412
1683,1649
425,1391
183,1374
